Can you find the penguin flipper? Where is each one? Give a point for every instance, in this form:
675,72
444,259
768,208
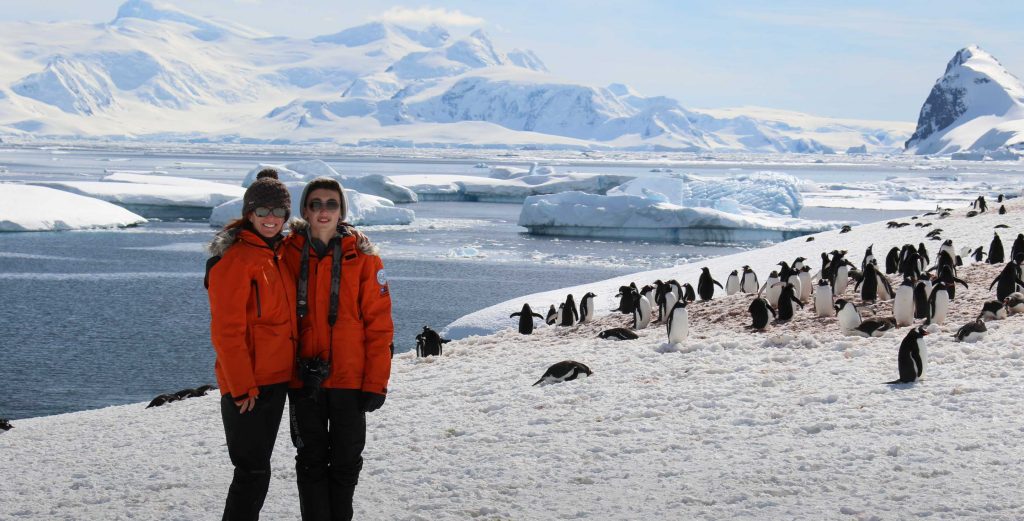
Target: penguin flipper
719,284
516,314
538,315
538,381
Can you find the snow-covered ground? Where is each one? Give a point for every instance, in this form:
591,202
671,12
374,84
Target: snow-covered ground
793,423
38,208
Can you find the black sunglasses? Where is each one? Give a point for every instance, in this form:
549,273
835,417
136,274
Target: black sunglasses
263,211
330,205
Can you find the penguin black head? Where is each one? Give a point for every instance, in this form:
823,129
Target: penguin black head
920,331
823,282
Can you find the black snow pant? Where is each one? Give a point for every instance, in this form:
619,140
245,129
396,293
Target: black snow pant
329,434
250,438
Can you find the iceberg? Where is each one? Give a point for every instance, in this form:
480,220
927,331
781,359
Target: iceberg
305,171
506,185
643,217
770,191
27,208
363,209
154,196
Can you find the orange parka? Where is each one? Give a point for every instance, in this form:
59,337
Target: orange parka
359,344
252,313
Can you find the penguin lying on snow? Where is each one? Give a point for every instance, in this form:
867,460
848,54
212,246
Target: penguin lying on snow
912,356
5,424
180,395
874,327
993,310
618,333
564,371
971,332
1014,302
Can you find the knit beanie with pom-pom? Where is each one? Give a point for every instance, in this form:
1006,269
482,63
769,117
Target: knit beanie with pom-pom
266,191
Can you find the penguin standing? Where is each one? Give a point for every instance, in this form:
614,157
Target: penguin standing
903,306
823,305
678,323
670,299
1007,281
552,317
569,313
798,263
661,290
563,372
560,313
921,292
749,284
760,310
688,294
938,304
772,289
946,276
625,299
587,307
786,300
842,278
429,343
648,292
1002,210
978,254
995,250
911,356
849,316
874,285
641,311
869,257
706,285
1018,246
806,288
526,316
732,284
971,331
892,261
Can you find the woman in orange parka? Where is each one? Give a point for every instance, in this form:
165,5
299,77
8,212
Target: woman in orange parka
253,330
344,305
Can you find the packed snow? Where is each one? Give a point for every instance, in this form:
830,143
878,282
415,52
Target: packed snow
792,423
25,208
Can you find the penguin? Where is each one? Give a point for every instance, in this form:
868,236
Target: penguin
786,300
868,257
1000,199
1018,246
842,278
677,290
925,258
678,323
5,424
641,311
798,285
625,299
849,316
910,266
947,246
785,272
1002,210
618,333
749,283
560,313
429,343
921,293
892,261
670,301
1007,281
569,313
732,284
978,254
184,393
201,391
823,305
980,204
971,331
648,292
946,275
903,305
1014,303
876,326
552,316
661,291
563,372
911,356
993,310
587,307
526,319
162,399
845,229
874,285
771,289
759,310
938,304
688,294
798,263
706,285
995,250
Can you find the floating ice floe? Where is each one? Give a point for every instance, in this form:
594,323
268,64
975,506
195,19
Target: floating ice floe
912,193
507,184
155,196
363,209
305,171
39,208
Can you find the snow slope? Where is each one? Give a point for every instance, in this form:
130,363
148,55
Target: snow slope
789,424
25,208
976,105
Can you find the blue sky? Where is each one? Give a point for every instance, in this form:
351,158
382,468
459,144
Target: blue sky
865,60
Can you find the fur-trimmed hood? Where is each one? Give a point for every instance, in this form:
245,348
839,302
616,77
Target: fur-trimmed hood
223,240
344,229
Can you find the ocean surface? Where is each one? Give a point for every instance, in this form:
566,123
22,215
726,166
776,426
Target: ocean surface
98,318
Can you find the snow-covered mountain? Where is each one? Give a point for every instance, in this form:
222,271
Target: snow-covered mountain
977,105
157,72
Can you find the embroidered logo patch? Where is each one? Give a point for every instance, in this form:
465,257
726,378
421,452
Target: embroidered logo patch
382,278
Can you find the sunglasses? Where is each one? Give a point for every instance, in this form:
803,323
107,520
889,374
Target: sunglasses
263,211
330,205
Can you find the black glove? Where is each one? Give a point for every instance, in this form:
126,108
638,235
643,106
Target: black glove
371,401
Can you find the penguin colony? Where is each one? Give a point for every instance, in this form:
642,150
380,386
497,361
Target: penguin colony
904,286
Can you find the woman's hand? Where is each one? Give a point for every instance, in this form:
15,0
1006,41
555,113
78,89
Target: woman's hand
246,405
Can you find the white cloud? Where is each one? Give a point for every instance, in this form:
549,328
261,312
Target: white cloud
427,16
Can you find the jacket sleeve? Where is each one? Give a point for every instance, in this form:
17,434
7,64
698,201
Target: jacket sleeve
378,328
229,295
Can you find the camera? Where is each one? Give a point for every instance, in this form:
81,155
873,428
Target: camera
313,372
